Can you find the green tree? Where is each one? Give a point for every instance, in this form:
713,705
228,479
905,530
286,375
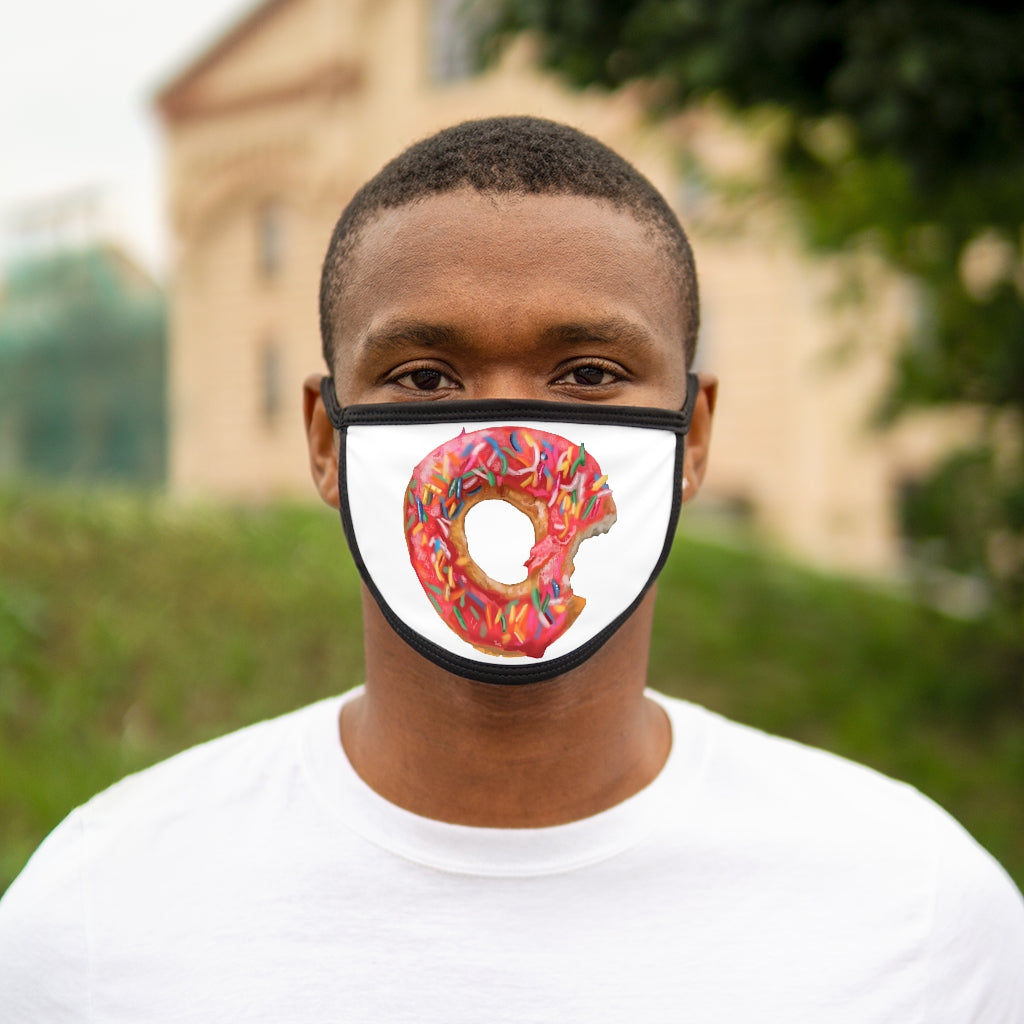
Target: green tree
899,121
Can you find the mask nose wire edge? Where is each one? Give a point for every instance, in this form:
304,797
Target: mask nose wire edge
334,414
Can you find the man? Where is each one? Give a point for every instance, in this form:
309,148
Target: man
503,824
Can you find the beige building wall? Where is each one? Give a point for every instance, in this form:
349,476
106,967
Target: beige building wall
271,131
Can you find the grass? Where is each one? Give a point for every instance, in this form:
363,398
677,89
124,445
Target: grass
132,628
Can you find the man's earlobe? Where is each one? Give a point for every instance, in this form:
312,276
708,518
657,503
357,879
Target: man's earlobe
321,440
698,439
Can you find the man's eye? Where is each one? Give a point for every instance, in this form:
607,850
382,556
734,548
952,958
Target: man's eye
424,379
590,376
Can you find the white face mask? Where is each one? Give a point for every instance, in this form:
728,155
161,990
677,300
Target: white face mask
596,490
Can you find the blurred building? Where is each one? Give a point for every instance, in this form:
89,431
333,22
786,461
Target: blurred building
271,130
83,389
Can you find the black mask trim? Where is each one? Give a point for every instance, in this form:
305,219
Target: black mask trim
676,420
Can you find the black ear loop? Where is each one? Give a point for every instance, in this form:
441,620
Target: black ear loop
330,398
690,402
504,674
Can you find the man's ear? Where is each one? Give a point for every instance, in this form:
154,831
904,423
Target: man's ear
698,439
321,440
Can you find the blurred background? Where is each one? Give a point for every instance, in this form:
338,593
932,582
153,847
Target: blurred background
852,179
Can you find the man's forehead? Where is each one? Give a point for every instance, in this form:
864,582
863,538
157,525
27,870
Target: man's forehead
414,227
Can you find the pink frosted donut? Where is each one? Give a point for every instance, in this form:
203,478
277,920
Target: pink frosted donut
556,483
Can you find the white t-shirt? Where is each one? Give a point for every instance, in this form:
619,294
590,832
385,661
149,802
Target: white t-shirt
257,878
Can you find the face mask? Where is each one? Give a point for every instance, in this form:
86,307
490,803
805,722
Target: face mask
419,484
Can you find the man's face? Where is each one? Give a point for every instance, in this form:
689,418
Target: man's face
466,296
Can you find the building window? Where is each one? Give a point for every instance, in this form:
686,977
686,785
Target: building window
270,239
271,373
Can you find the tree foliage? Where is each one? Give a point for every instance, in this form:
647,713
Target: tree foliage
903,122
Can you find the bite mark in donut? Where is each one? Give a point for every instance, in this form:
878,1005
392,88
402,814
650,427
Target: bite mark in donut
562,489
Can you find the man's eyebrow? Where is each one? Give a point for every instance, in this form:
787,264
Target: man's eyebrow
395,333
608,330
613,330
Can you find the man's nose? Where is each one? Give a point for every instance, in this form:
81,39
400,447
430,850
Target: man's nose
508,382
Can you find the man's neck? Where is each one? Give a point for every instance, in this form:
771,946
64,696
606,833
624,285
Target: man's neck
506,756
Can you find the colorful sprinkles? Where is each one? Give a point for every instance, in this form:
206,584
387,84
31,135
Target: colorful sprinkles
485,463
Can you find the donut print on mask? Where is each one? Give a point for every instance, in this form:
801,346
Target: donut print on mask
557,484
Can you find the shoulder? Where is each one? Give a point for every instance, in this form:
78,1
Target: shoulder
782,777
876,853
223,770
126,839
976,949
201,781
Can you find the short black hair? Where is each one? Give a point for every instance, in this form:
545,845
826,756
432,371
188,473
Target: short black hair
508,156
